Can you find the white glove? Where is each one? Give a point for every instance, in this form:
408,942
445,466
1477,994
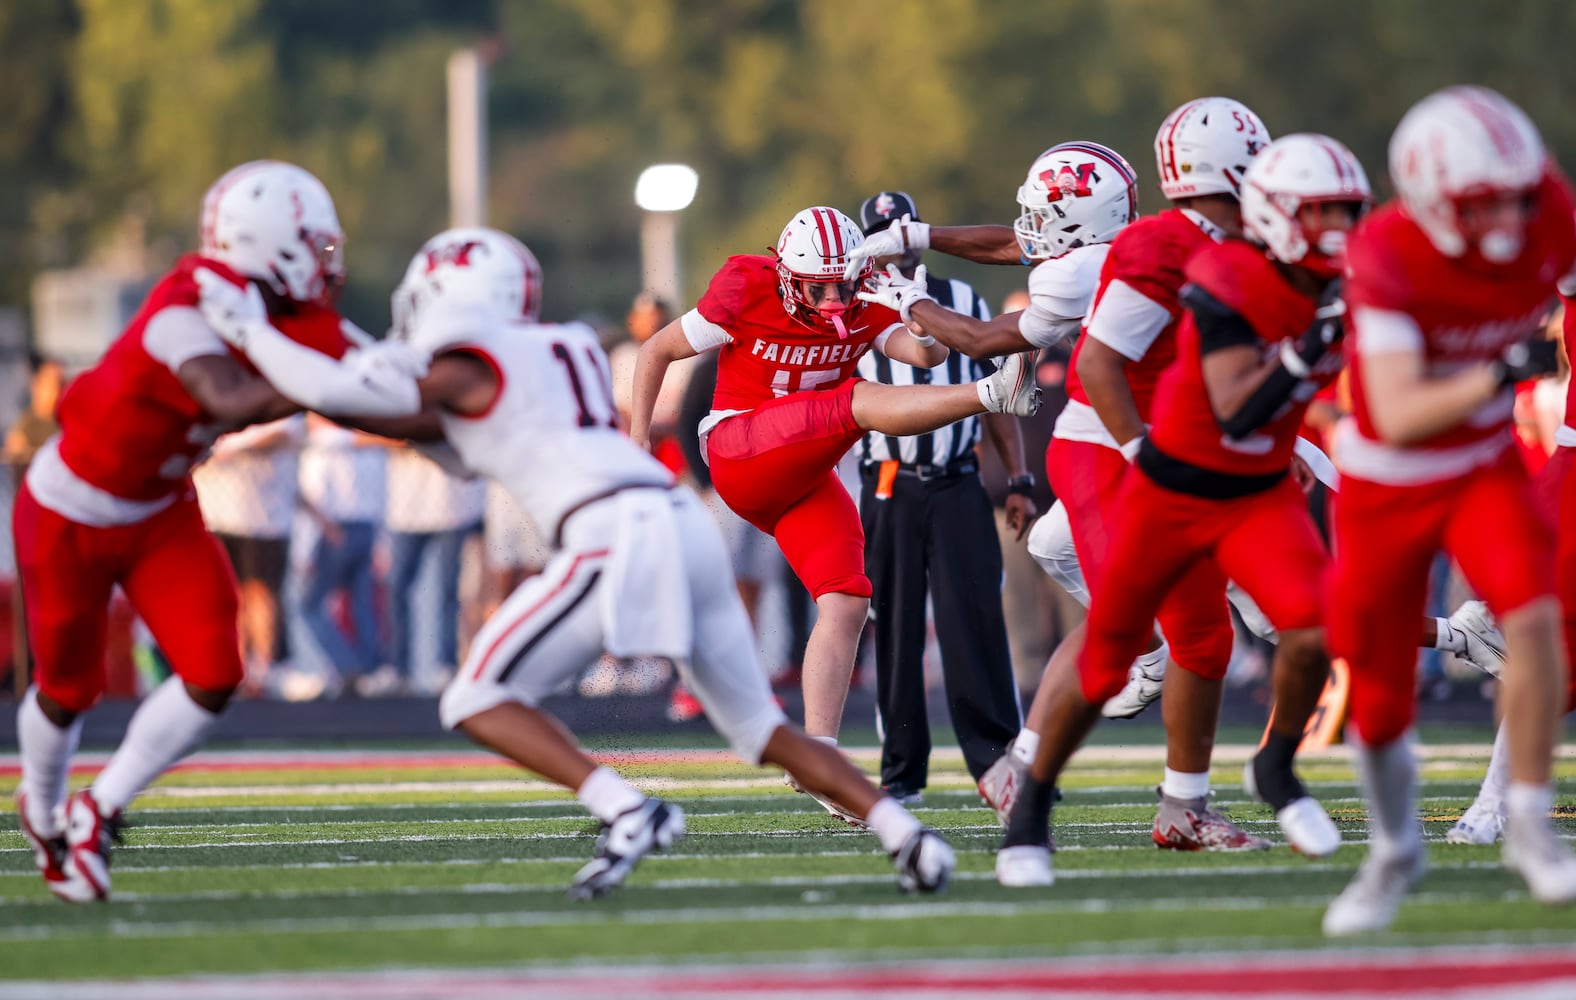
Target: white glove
898,293
1130,449
387,359
900,237
232,310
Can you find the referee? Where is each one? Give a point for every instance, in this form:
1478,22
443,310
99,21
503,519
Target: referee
930,527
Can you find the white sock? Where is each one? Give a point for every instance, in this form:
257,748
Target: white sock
46,751
1529,800
1153,663
830,741
605,795
1449,638
1492,794
980,387
1183,785
1025,746
891,823
1389,779
167,726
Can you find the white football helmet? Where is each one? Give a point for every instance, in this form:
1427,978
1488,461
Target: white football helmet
1459,143
811,256
472,265
275,222
1076,194
1293,171
1205,146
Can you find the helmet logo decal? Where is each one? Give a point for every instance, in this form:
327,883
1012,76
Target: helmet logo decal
1068,181
457,254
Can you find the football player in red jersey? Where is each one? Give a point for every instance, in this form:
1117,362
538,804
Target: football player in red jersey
1211,481
1202,150
109,501
1448,288
790,331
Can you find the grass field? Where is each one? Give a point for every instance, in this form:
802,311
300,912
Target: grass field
245,863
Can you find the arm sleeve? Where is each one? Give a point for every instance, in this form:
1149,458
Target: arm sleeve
1385,331
377,381
177,334
702,333
1219,326
1128,321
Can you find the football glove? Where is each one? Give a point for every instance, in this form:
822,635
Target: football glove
231,310
900,237
1529,359
896,292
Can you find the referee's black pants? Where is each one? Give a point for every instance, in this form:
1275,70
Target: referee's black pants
943,530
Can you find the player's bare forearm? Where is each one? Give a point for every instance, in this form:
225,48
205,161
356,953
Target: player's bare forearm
978,339
1103,373
1407,406
982,244
1007,440
423,426
904,348
651,367
1232,375
230,394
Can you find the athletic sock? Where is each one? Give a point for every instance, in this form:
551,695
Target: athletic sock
1025,746
1497,780
1449,638
1030,822
166,727
1272,771
606,795
1389,780
891,823
1529,800
1185,785
46,750
1153,663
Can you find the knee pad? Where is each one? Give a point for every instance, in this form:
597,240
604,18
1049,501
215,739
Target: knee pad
1050,543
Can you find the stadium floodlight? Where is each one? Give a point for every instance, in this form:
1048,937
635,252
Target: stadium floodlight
666,187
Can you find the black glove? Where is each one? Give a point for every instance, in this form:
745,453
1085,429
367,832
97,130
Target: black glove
1327,330
1529,359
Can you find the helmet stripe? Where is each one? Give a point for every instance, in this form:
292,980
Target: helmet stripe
1110,156
1168,162
1502,133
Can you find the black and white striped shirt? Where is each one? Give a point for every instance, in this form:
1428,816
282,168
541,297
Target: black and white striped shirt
950,443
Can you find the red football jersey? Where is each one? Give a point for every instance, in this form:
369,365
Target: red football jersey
1148,256
770,353
127,424
1243,279
1569,335
1404,293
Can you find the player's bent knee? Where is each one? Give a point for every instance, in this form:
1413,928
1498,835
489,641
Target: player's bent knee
852,584
74,697
748,736
464,699
1099,686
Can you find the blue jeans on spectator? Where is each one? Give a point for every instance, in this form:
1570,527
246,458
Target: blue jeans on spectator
406,550
344,565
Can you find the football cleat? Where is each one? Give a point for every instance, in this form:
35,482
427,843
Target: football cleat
836,811
1481,825
1535,852
1485,643
1001,782
1144,684
49,849
924,862
1308,828
1011,387
1024,866
1195,825
654,825
89,836
1369,902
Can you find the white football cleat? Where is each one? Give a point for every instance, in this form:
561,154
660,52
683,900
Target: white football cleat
1308,828
1535,852
1485,643
1144,684
1011,387
924,862
1479,826
1024,867
89,835
654,825
1370,901
1002,781
833,809
49,846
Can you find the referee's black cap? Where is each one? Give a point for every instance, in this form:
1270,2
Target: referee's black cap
882,209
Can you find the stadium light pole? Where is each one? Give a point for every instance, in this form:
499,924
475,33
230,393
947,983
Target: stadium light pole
662,192
467,78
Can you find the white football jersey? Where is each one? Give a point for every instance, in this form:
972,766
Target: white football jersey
551,438
1060,290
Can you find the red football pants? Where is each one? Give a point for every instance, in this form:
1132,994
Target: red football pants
1193,614
174,573
1386,539
1555,490
775,467
1267,543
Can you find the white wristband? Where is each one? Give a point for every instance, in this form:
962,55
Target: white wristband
1130,449
922,340
916,235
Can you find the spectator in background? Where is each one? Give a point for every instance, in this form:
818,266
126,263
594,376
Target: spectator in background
647,315
1038,612
513,547
36,423
247,490
429,513
342,487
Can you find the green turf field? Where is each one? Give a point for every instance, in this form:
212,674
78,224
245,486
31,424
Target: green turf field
233,865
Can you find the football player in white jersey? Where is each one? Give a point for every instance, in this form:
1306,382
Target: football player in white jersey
639,567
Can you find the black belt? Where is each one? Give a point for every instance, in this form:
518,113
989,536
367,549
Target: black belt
925,473
1180,476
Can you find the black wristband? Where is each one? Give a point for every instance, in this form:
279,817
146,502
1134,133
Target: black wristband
1021,485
